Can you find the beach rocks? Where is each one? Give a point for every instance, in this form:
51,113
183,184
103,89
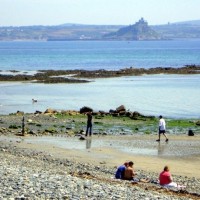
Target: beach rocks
38,112
50,111
135,115
198,123
19,113
190,133
69,112
70,122
73,76
3,130
121,109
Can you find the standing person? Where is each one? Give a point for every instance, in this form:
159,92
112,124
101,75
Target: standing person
120,171
165,178
162,129
89,124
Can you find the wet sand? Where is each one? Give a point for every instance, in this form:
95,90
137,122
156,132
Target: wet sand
181,153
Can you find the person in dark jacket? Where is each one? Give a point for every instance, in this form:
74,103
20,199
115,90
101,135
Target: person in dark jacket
89,124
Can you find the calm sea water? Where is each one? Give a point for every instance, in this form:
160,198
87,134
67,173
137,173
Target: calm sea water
174,96
92,55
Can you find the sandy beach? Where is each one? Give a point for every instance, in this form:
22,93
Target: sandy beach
181,153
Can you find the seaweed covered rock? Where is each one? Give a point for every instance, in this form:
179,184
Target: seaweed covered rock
136,115
19,113
198,123
50,111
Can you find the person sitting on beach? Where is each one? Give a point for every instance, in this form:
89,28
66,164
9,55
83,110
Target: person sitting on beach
165,178
129,173
120,171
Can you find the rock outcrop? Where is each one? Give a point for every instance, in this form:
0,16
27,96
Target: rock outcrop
86,109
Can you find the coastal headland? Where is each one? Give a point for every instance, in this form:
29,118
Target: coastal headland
53,159
84,76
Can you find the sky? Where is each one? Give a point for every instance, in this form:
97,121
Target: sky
100,12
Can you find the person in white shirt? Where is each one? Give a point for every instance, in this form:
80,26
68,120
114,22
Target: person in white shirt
162,129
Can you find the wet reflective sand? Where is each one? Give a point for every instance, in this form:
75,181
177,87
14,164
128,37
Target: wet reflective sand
136,145
181,153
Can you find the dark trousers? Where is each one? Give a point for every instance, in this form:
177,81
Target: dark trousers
89,129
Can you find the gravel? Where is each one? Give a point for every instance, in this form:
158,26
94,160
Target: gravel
32,174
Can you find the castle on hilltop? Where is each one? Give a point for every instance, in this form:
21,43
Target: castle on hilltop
138,31
141,21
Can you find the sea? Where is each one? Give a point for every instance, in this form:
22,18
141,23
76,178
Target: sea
174,96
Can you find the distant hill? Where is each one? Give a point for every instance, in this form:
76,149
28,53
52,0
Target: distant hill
193,22
138,31
60,32
187,29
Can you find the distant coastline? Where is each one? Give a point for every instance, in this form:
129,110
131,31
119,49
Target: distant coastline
80,32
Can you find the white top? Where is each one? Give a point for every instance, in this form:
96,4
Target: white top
161,124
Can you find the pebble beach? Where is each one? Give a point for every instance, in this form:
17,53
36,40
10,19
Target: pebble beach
33,170
33,174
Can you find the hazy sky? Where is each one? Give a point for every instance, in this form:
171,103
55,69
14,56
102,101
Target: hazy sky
122,12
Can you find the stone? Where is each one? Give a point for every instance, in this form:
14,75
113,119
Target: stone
122,113
111,111
120,108
190,133
135,115
19,113
86,109
82,138
50,111
37,112
198,123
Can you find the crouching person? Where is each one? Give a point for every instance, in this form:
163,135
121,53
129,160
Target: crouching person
120,171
